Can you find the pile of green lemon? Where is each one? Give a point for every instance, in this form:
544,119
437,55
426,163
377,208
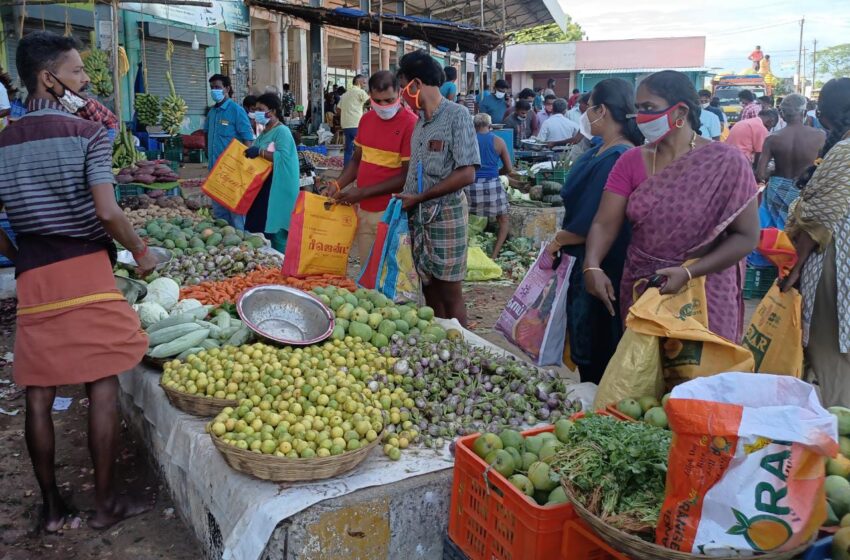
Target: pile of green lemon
315,401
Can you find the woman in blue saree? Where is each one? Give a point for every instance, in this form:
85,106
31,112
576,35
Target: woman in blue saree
593,333
272,209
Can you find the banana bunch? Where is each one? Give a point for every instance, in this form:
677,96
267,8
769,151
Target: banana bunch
124,152
96,65
174,110
147,108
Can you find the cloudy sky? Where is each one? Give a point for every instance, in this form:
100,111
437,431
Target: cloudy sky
732,27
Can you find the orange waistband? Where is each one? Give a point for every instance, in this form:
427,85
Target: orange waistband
70,302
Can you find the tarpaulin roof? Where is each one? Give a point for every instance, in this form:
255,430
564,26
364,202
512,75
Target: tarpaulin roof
516,14
444,35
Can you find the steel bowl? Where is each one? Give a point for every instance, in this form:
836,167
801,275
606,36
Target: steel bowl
132,290
163,257
285,315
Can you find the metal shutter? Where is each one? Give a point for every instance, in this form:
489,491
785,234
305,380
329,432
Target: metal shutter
12,44
189,72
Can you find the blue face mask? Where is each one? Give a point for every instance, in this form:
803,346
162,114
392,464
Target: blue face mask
261,118
217,95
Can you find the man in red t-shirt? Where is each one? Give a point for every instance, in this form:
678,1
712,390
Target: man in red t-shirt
380,160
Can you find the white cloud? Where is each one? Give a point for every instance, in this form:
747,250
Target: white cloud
732,27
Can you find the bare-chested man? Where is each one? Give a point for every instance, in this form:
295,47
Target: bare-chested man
793,149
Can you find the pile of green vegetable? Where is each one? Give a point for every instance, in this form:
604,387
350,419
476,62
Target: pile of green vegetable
187,235
617,470
517,254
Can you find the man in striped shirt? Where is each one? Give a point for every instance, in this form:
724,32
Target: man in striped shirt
73,325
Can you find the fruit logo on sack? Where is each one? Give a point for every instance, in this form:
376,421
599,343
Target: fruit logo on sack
681,352
690,309
762,532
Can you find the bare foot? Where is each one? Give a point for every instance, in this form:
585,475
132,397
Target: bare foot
55,514
123,508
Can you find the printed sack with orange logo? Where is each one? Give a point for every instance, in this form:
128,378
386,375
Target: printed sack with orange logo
320,237
746,467
235,181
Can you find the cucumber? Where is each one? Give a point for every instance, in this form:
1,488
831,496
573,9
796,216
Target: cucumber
215,330
171,333
240,337
179,319
222,319
227,333
210,343
186,353
180,345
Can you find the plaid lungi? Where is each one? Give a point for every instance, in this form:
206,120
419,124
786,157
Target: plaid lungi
438,228
487,198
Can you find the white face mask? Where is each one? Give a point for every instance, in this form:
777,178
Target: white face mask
500,95
69,100
386,112
656,125
586,126
705,105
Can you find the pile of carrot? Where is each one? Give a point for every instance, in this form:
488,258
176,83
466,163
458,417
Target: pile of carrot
227,291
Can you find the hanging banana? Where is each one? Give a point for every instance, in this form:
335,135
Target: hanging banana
96,65
174,110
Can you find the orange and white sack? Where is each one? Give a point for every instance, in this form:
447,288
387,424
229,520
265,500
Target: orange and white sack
746,468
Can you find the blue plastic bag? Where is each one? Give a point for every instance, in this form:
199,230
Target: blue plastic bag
396,275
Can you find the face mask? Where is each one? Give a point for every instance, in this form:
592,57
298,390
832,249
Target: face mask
520,119
586,126
260,117
656,125
411,99
500,95
386,112
705,105
217,95
69,100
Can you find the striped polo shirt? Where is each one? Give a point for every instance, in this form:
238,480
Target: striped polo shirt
384,147
49,161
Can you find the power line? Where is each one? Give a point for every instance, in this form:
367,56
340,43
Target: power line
747,29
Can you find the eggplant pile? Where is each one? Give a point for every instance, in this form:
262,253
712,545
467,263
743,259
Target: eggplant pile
458,389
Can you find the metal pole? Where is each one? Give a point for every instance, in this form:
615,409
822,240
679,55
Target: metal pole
365,44
400,10
317,77
115,74
381,34
480,60
800,58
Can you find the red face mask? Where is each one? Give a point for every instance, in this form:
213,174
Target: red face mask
656,125
411,99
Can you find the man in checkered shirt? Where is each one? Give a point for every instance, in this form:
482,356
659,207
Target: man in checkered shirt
444,157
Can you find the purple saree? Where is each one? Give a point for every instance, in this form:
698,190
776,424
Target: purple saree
679,213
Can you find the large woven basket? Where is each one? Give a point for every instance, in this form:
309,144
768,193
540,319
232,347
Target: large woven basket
280,469
639,549
156,363
195,405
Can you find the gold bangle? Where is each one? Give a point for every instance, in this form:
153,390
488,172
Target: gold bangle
588,269
690,276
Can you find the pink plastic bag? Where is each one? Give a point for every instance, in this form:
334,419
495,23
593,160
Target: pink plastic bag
535,318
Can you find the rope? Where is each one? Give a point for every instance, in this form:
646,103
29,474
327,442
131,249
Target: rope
67,21
144,53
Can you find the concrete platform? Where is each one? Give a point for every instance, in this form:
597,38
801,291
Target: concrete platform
540,224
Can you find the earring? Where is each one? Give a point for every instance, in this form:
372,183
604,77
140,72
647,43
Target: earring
680,122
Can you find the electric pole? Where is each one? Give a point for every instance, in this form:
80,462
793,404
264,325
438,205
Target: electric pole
814,65
800,58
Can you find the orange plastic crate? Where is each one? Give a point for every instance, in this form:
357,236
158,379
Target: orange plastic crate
580,542
490,519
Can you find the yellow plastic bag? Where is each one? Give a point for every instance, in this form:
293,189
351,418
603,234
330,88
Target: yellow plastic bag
634,370
235,181
320,236
688,348
775,334
480,267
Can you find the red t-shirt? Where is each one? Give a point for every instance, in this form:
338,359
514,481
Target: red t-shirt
384,146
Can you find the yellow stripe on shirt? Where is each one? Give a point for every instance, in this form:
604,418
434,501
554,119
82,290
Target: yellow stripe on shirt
70,302
375,156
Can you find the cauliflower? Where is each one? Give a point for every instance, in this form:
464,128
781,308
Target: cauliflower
185,305
163,291
150,313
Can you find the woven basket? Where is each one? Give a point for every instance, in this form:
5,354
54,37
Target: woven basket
639,549
280,469
197,406
156,363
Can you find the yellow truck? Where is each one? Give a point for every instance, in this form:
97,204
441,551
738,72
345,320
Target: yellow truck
726,87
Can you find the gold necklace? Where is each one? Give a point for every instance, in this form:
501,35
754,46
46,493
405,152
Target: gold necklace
692,144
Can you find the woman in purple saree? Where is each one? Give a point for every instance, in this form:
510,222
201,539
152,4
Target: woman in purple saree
686,198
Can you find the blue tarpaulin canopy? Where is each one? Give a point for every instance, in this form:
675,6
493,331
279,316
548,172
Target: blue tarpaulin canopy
444,35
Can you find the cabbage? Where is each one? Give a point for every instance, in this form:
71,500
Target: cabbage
163,291
185,305
150,312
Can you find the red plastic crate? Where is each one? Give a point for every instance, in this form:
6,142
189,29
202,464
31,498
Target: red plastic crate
580,542
490,519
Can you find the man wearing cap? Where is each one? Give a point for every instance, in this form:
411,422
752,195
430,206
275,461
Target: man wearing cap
494,104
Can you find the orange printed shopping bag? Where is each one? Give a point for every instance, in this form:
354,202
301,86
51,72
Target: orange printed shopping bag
235,181
320,237
746,467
